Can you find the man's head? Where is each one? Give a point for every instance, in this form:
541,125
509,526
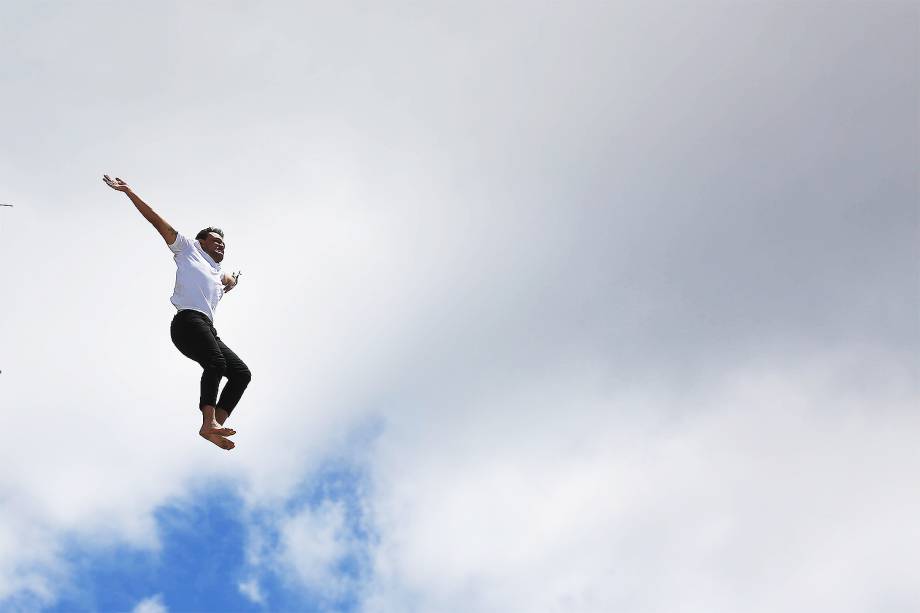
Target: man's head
212,243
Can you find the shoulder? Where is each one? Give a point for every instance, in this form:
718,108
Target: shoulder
180,244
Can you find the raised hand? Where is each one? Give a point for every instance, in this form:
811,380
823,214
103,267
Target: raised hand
116,184
165,230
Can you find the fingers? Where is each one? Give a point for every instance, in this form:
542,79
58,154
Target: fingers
115,183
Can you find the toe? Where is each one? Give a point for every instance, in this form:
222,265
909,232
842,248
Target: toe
218,440
218,431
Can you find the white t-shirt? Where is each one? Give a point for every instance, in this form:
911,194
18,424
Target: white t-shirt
198,284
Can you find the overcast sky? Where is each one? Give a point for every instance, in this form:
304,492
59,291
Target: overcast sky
550,307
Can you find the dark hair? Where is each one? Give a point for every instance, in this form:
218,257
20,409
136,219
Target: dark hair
207,231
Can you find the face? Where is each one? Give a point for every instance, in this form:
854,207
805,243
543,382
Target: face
213,245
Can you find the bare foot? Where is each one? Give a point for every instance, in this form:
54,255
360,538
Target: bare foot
216,428
223,443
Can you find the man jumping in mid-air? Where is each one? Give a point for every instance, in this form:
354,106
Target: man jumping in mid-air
200,284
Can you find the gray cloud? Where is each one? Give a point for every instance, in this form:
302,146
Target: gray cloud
435,205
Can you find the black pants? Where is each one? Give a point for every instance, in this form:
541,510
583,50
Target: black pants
194,335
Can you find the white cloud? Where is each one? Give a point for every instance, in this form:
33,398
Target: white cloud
312,543
446,218
763,489
250,589
28,557
153,604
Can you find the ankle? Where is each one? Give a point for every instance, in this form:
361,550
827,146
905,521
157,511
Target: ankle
207,414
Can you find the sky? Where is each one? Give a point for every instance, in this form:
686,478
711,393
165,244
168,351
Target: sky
550,307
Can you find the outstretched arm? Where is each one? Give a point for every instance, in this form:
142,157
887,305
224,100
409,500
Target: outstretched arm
165,230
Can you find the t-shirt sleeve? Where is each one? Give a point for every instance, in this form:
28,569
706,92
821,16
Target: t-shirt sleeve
180,245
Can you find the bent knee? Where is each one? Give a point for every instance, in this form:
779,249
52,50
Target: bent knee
215,365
